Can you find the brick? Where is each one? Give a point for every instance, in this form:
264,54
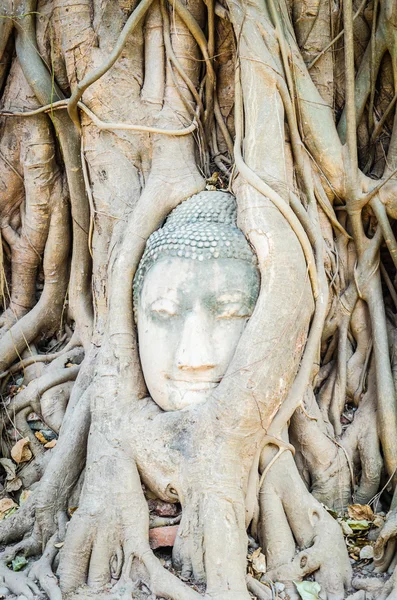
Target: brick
162,537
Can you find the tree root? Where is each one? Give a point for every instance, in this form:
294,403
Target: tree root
306,521
330,478
30,396
39,358
129,527
17,582
376,588
41,570
46,91
261,591
102,125
384,549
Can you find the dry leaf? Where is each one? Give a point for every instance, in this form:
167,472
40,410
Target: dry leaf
360,512
41,437
259,562
59,544
379,521
50,444
13,483
21,452
9,468
6,504
255,553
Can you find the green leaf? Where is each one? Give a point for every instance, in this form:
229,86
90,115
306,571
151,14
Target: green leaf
308,590
19,563
358,525
10,512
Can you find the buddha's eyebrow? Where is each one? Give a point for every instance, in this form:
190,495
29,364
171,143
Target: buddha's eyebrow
164,293
232,296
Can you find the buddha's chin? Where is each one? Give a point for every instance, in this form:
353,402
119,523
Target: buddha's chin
179,399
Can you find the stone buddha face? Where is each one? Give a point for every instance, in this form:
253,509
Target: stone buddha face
193,297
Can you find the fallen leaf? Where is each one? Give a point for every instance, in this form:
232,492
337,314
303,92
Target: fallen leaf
259,562
13,483
360,512
9,468
41,437
21,452
367,552
10,512
362,525
6,505
59,544
255,553
378,521
19,563
50,444
308,590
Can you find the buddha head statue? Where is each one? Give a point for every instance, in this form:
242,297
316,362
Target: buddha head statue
194,290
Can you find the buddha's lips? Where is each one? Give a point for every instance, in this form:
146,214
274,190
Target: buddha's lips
194,385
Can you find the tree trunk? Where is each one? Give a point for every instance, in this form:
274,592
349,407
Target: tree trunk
112,115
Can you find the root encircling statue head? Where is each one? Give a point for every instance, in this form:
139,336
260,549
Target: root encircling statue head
195,288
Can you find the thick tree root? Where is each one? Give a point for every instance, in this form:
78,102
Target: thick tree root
288,513
385,546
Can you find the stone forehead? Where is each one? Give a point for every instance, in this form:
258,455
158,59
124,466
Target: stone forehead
201,228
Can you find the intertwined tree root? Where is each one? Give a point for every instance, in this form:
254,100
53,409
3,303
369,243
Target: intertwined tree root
112,116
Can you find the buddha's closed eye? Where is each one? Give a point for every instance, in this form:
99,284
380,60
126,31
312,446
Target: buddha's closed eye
232,311
221,308
165,308
233,305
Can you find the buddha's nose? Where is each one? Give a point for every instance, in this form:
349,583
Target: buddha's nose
195,350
